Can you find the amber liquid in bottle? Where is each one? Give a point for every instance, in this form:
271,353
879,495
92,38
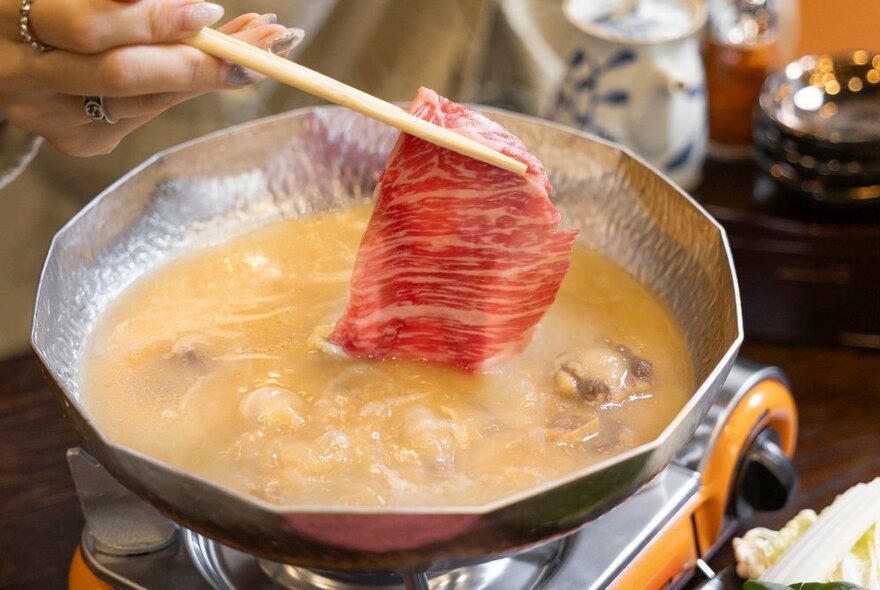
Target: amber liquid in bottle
734,76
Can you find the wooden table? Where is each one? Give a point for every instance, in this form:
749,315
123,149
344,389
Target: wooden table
837,391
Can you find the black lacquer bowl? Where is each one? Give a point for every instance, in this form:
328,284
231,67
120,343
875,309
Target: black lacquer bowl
817,128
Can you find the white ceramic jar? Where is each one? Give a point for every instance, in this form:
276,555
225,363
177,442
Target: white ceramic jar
634,75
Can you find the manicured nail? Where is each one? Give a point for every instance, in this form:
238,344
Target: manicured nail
239,76
200,14
264,19
286,41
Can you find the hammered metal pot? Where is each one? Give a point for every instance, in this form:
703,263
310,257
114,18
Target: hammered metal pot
326,157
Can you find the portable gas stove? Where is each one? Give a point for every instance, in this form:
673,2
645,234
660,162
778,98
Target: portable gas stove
736,462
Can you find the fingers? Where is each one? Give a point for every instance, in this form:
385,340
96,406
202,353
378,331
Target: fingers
43,92
144,69
95,139
49,115
250,20
61,118
62,121
93,26
140,106
59,113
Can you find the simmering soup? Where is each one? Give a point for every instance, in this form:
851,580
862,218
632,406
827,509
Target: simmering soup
217,363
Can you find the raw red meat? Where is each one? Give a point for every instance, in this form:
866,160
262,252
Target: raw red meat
460,259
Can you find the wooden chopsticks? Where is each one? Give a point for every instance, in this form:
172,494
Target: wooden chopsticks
229,48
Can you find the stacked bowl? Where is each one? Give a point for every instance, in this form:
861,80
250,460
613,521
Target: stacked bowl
817,128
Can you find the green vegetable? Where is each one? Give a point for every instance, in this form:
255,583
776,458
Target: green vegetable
861,564
841,545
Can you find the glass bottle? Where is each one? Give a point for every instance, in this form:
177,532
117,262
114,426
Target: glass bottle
739,50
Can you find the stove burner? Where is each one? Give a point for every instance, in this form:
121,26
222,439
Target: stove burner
227,569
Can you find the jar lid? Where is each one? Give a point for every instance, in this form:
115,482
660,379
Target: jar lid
636,21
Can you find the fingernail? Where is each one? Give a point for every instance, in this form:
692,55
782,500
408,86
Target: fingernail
201,14
264,19
286,41
239,76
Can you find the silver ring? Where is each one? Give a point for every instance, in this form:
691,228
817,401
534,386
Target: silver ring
96,111
24,28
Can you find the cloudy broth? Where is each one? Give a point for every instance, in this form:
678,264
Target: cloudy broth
212,363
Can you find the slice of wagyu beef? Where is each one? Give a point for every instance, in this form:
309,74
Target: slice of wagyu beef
460,259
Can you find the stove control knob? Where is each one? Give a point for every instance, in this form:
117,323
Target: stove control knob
766,479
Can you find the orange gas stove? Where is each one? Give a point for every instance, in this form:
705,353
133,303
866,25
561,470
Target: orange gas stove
738,461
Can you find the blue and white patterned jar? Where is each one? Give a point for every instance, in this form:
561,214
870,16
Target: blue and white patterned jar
635,76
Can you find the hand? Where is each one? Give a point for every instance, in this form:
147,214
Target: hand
122,50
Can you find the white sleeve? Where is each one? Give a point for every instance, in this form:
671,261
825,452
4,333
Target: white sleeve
17,149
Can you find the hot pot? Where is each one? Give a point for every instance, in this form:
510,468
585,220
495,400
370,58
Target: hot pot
321,158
